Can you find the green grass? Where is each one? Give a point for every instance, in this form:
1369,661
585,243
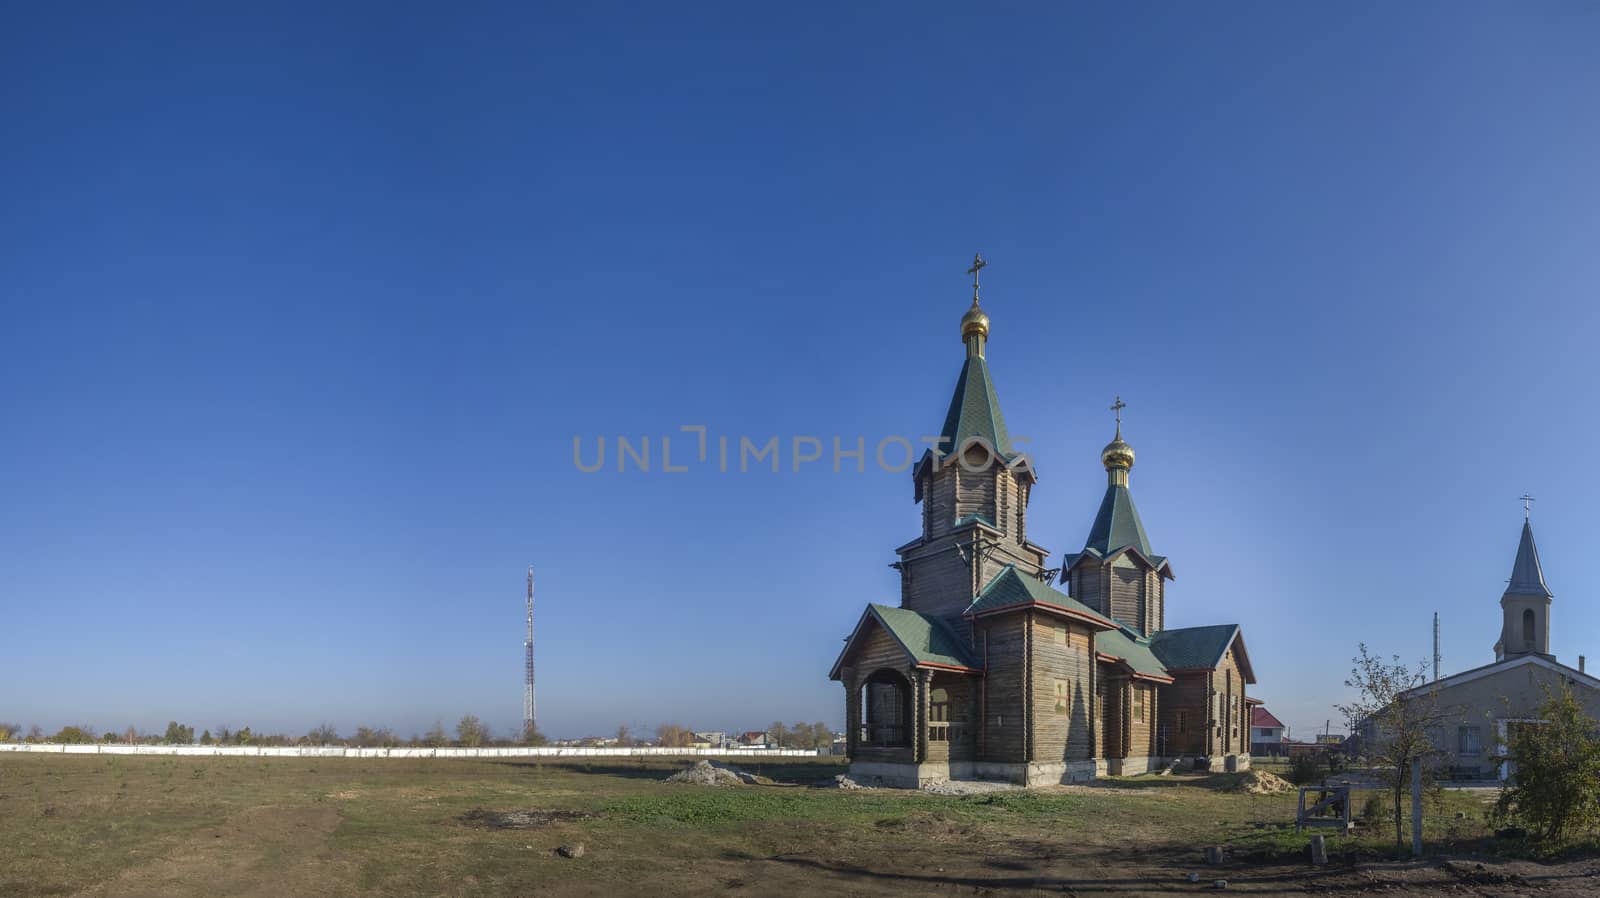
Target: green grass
384,827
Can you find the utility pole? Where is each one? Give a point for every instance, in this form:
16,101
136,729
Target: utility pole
528,716
1436,646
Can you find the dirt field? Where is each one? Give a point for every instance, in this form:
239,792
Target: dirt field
148,826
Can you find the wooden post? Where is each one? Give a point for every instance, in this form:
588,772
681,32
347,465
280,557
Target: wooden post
1416,807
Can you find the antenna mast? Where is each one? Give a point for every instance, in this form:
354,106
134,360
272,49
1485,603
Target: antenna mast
1436,646
527,683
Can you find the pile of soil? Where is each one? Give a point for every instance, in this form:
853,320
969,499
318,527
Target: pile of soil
1260,782
705,773
844,782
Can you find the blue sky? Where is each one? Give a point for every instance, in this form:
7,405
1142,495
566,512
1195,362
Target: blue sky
300,312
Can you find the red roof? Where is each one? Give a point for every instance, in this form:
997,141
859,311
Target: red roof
1261,717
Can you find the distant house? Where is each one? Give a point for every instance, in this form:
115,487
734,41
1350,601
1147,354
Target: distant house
1266,733
712,738
753,739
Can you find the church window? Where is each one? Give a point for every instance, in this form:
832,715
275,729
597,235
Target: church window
1183,722
1061,633
1063,696
1138,703
1469,741
1529,639
939,715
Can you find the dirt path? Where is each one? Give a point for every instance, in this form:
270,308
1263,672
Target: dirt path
264,852
1138,874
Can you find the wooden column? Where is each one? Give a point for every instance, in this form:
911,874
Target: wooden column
852,713
919,715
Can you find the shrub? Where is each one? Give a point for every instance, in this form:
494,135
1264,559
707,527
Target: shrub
1304,768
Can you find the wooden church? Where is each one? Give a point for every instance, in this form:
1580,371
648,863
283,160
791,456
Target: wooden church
985,670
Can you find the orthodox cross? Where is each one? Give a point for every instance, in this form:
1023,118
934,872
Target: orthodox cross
977,266
1527,505
1117,407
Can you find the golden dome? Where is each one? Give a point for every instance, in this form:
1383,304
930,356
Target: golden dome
1117,454
974,322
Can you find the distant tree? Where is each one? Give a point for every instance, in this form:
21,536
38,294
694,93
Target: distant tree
9,731
178,734
800,735
130,736
821,737
1556,790
205,738
624,738
35,733
108,737
323,734
778,735
368,737
224,736
1394,732
672,735
436,737
73,735
531,735
244,737
471,732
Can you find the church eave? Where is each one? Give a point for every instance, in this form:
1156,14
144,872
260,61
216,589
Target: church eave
1093,620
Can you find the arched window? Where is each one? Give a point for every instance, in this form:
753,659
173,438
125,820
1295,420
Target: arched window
885,696
1529,638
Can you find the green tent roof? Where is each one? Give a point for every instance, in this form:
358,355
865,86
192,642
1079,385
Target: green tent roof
975,412
1117,525
1124,644
1011,587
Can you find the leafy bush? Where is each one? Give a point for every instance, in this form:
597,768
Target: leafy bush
1556,788
1304,768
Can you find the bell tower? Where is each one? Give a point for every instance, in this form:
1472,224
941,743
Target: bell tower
1525,605
973,488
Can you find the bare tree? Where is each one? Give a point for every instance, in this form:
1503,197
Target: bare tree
471,732
532,736
672,735
821,736
435,736
1391,725
624,737
322,734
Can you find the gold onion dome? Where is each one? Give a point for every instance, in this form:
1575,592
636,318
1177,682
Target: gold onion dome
974,322
1117,454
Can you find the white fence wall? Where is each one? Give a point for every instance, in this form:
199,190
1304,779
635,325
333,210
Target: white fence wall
294,751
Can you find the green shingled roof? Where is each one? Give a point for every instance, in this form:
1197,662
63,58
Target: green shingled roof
1012,587
1117,525
1193,646
928,639
1130,648
975,412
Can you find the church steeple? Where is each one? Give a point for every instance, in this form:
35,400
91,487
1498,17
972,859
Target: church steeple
973,488
1117,573
1525,605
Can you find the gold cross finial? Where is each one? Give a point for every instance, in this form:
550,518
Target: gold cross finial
1527,505
1117,407
977,266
